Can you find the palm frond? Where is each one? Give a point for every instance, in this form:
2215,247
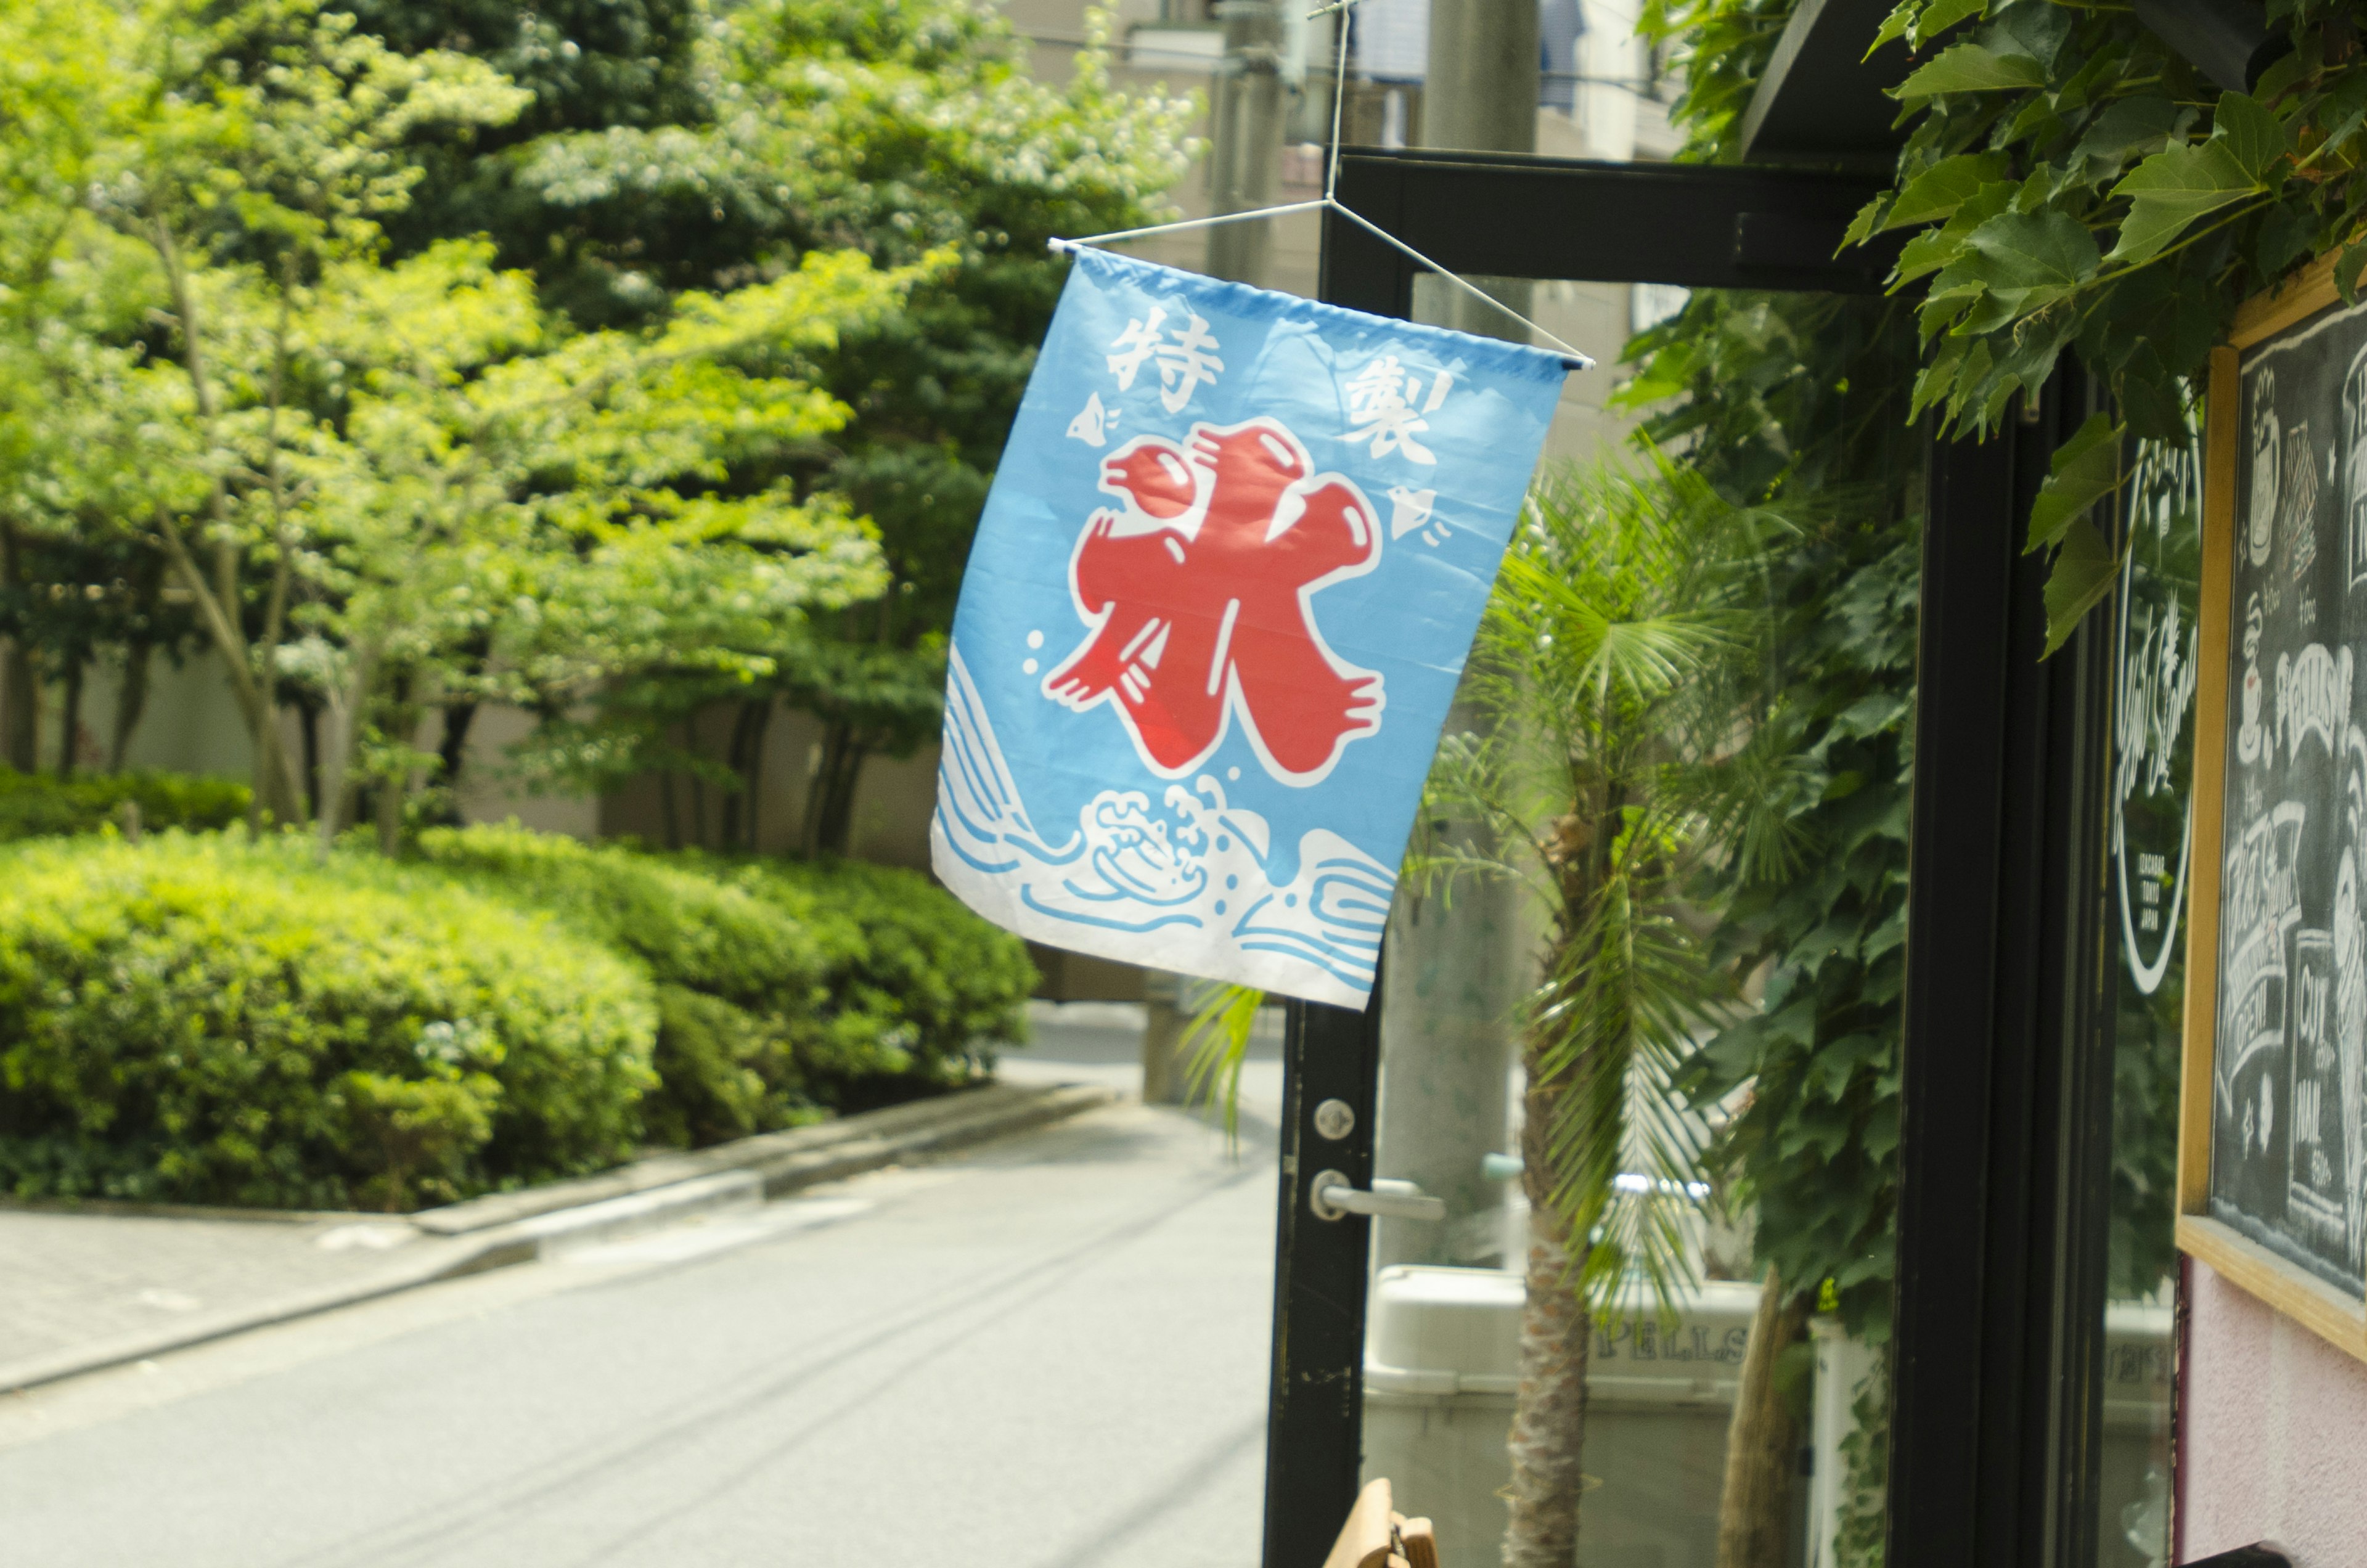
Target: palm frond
1215,1045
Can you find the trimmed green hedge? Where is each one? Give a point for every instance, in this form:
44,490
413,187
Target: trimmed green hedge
36,804
688,928
205,1019
859,983
741,1003
904,961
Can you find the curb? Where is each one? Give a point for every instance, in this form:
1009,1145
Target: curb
508,1228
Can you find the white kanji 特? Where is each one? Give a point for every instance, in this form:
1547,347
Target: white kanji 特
1132,347
1381,406
1185,359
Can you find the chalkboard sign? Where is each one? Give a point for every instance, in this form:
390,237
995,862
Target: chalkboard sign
2273,1122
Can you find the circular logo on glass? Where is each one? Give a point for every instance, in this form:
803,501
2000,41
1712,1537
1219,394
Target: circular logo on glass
2153,740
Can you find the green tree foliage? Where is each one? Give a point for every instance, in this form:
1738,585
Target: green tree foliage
2071,184
1800,399
1805,399
897,130
402,382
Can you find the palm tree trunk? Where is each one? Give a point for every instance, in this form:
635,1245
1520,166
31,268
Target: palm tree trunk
1763,1442
1548,1436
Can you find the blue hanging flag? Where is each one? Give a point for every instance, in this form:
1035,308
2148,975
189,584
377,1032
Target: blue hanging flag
1218,604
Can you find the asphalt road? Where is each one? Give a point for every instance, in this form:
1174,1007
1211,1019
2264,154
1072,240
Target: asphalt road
1049,1353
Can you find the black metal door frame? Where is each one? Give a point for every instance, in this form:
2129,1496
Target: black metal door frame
1998,1333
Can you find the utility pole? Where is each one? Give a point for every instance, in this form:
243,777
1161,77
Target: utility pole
1456,979
1246,130
1480,94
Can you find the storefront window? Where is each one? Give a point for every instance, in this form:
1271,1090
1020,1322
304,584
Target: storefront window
2153,764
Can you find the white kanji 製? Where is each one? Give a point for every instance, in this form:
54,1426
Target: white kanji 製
1386,406
1185,359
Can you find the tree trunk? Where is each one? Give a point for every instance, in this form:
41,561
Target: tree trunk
830,798
386,806
20,686
394,789
754,774
347,706
20,708
308,716
747,761
452,752
1763,1442
673,812
69,718
1548,1442
131,702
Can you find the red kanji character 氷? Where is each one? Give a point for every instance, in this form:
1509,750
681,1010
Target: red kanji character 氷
1200,597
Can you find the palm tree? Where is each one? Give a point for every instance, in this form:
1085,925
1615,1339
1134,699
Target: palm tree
1618,662
1618,667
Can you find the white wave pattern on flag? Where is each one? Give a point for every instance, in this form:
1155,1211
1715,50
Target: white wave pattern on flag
1184,885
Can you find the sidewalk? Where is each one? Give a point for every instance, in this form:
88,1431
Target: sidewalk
86,1287
77,1279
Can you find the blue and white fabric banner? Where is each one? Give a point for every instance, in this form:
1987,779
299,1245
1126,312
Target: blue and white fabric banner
1222,592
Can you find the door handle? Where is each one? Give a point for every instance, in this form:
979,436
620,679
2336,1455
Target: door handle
1333,1197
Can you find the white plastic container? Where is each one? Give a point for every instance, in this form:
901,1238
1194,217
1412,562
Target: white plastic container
1441,1365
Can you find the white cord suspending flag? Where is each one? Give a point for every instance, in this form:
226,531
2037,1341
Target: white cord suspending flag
1219,600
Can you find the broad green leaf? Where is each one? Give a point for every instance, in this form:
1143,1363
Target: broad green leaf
2037,124
1937,376
2084,571
1864,227
1972,377
1935,194
1969,68
2286,235
2345,269
2249,132
2125,126
2038,32
2085,470
1942,15
1894,25
1935,248
2028,253
2170,190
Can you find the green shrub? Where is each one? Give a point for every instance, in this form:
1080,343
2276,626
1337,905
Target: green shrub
723,1072
906,963
36,804
742,1007
690,929
199,1019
